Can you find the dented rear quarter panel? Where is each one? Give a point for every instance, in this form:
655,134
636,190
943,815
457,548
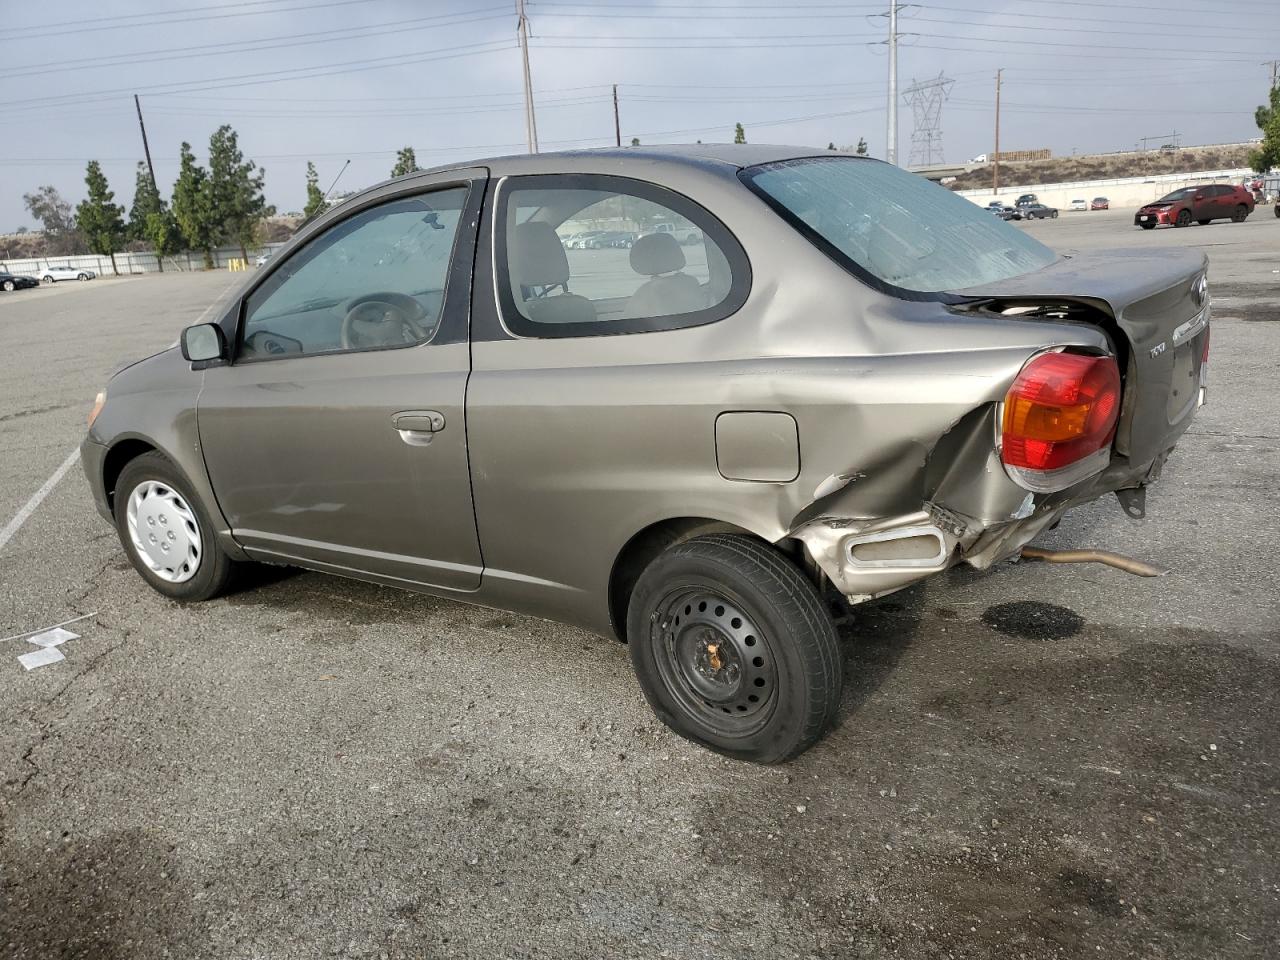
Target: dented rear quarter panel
578,444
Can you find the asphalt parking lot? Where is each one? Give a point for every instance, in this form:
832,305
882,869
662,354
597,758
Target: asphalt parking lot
1041,761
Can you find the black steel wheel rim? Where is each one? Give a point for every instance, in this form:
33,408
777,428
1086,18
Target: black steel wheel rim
715,660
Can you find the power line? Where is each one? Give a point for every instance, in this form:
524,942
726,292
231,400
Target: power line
14,33
247,46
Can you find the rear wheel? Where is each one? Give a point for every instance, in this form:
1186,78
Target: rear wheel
734,649
1203,223
1054,215
82,276
167,532
1241,214
1184,219
46,279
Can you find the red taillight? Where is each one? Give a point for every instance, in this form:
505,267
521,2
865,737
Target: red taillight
1059,420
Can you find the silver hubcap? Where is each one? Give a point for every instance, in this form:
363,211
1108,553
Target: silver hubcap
164,531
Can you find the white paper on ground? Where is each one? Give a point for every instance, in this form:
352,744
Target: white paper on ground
41,658
52,638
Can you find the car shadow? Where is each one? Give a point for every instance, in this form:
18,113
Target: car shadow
875,636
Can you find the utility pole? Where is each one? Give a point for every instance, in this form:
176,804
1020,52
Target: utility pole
617,123
995,157
1275,72
891,133
530,122
145,148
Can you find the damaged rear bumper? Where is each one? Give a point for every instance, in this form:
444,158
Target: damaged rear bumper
866,559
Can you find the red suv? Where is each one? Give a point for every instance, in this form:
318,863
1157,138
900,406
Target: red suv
1204,203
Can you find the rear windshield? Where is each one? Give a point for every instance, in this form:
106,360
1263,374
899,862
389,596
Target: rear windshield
898,230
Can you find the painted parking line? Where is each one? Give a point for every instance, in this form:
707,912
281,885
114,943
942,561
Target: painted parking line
28,508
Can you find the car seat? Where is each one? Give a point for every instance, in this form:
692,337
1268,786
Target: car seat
669,290
538,265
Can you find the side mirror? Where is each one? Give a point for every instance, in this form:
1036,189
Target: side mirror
204,341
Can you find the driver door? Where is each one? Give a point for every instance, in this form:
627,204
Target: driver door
336,435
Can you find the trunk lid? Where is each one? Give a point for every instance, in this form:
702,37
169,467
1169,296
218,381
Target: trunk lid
1159,303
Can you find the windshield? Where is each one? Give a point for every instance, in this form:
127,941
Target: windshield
1186,193
895,227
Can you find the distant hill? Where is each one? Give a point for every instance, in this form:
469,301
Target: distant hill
1107,166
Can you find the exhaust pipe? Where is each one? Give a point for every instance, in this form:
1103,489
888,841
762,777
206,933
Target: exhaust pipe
1139,568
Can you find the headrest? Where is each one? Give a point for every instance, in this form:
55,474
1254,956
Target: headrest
536,256
656,253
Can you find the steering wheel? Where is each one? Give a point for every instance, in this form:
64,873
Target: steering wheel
382,320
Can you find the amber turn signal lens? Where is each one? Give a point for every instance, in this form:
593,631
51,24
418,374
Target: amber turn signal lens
98,401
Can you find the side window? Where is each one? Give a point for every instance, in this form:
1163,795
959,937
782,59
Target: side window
587,255
372,281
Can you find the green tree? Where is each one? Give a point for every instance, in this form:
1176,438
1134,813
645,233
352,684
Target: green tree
191,206
1268,119
739,134
316,203
234,188
57,219
862,147
831,145
146,201
635,141
406,162
100,220
162,233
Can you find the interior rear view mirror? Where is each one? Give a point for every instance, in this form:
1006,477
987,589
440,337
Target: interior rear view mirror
204,341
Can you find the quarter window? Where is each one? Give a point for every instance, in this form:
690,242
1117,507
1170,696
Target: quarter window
372,281
587,255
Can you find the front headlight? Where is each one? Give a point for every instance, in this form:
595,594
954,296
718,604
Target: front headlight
98,401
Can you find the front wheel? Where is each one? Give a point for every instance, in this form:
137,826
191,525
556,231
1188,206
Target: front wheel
1147,226
167,532
1184,219
8,285
46,279
82,276
1241,214
734,649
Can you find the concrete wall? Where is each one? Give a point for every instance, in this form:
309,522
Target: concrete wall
1127,192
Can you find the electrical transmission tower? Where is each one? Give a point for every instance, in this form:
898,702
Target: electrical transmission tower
926,98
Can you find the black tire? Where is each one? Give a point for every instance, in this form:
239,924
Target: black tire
1054,215
1147,226
215,570
734,649
1241,214
46,279
1184,219
8,285
1204,223
1277,210
82,276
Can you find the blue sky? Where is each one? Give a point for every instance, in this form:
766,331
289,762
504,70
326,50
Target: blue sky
331,80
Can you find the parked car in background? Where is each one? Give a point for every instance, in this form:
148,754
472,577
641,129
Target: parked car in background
685,233
578,241
1004,212
1026,200
11,281
610,238
1100,203
1038,211
1079,205
1203,204
263,259
404,397
52,273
